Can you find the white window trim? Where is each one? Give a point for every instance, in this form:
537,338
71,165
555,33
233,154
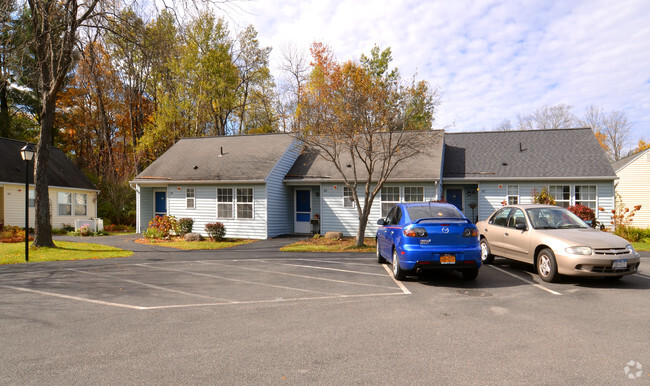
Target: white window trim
403,191
571,193
351,202
193,198
508,195
252,203
575,199
74,204
234,203
58,204
232,190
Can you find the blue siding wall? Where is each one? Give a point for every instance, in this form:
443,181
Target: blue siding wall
492,194
279,218
205,210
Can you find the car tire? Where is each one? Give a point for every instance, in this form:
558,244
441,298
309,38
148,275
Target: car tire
486,256
380,258
469,274
398,273
547,266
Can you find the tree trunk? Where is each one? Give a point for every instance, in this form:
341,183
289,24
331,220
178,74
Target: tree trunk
42,203
5,118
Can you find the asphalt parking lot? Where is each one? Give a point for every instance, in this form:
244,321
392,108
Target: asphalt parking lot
253,315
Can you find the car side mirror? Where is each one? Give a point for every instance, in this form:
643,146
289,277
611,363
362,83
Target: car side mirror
381,221
521,227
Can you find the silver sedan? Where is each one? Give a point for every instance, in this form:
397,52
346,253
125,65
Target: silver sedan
556,241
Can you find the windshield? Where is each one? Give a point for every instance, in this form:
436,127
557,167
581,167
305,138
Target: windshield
554,218
434,211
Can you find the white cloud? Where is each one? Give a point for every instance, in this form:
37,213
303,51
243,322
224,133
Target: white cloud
492,59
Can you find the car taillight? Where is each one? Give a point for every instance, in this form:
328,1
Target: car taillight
470,232
415,232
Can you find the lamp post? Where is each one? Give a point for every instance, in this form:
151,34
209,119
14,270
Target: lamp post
27,152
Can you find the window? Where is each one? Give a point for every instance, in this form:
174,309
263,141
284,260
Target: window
586,195
224,203
389,197
348,200
394,216
32,198
190,198
516,217
65,203
500,218
413,194
561,194
80,204
244,202
513,194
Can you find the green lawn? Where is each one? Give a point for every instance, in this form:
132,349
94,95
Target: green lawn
14,253
322,244
640,246
195,245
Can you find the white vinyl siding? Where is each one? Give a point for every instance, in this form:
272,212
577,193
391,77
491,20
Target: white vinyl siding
633,187
14,206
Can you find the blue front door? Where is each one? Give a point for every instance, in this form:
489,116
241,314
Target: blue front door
455,197
160,204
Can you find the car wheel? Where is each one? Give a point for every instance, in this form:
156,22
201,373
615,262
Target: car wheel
486,256
469,274
380,258
398,274
547,266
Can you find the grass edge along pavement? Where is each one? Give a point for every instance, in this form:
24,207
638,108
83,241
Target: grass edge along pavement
14,253
195,245
322,244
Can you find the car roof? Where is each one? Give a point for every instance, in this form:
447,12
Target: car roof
426,203
532,206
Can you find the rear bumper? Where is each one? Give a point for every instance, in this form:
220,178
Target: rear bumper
415,257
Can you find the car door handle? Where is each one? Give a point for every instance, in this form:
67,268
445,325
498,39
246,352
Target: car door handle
391,232
506,234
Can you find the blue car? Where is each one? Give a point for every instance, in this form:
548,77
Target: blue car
417,237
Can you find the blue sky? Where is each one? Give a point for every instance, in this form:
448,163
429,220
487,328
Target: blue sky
492,60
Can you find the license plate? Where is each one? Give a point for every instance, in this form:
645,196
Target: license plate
619,264
447,259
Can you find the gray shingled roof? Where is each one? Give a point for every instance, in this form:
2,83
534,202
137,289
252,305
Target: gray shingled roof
245,158
562,153
425,166
61,172
618,165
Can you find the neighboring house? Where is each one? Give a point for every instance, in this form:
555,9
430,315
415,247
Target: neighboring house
485,170
262,186
633,185
72,195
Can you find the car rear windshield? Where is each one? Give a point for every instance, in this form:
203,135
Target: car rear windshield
418,212
554,218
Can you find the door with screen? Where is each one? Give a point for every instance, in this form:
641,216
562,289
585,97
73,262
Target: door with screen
302,215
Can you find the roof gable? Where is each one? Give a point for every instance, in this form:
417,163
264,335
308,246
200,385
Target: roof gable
310,166
559,153
61,171
623,162
247,158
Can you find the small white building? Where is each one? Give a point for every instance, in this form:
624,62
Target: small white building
633,185
72,196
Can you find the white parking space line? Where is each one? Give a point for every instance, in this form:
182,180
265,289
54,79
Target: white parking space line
235,280
150,285
525,281
399,283
285,300
332,269
76,298
295,275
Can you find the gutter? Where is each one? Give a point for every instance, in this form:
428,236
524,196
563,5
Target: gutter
194,182
461,179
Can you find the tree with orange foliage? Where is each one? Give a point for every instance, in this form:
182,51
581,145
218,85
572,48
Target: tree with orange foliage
363,119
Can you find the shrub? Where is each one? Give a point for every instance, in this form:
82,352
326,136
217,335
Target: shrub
543,197
216,231
167,225
585,213
185,226
153,233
